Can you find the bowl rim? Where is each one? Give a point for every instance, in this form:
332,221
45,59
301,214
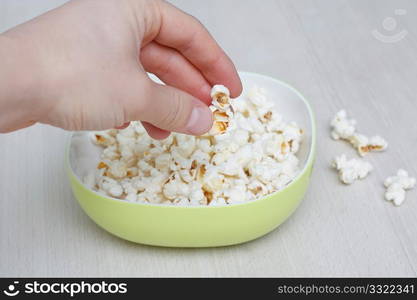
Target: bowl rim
308,161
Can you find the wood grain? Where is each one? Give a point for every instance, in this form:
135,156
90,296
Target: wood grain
325,49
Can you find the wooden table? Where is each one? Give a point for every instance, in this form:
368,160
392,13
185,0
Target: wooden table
324,48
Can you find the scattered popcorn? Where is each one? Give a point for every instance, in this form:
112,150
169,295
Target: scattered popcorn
397,185
249,153
351,170
117,169
344,129
110,187
364,144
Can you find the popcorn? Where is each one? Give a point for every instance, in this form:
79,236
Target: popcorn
351,170
249,153
221,108
117,169
236,194
103,139
197,196
397,185
186,145
204,145
218,201
163,161
175,188
110,187
364,144
111,153
213,180
344,128
220,96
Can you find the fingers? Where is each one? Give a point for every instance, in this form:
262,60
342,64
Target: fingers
155,132
166,108
174,110
173,69
187,35
15,127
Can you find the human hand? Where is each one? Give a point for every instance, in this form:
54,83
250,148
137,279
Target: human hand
83,66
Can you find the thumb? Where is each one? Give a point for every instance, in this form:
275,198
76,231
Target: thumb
174,110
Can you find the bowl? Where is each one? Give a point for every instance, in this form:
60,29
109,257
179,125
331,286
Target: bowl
199,226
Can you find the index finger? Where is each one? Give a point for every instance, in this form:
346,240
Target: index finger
187,35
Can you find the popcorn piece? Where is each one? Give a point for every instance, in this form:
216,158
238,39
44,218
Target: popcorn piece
351,170
213,180
342,127
256,187
196,196
397,185
220,122
220,157
204,145
186,144
200,157
237,193
103,139
181,201
163,161
187,175
102,165
217,201
111,153
111,187
365,145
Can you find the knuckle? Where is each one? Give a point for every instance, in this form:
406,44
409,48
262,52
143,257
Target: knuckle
173,117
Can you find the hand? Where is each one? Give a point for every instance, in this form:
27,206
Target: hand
83,66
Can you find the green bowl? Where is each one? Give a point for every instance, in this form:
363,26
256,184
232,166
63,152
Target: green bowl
199,226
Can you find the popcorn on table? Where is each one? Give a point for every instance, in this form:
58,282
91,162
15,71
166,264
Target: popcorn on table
250,152
351,170
344,128
397,185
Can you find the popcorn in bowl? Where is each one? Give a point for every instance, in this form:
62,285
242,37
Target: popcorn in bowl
249,153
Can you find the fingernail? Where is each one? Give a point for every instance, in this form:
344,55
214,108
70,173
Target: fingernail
200,120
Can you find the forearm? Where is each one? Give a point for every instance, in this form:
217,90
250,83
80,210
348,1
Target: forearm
18,102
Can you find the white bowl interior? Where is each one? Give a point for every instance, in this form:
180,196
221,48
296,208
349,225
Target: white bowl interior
84,155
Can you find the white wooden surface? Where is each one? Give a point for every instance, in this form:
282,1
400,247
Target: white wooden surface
325,49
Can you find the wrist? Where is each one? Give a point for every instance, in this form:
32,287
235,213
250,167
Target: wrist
19,97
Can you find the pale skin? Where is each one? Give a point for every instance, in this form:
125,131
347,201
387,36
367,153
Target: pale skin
83,66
